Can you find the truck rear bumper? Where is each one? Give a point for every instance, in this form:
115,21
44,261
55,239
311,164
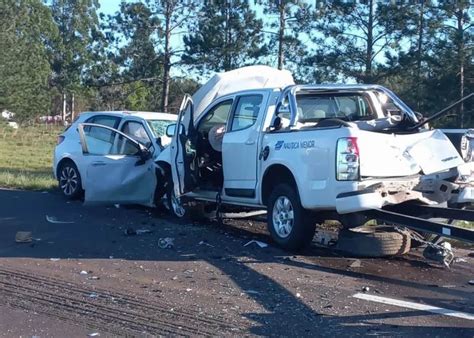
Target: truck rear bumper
391,193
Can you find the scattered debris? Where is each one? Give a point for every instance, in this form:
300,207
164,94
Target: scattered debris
189,290
54,259
166,243
205,243
133,232
83,272
366,289
471,282
94,334
111,257
460,260
93,295
298,295
93,278
117,206
325,238
23,237
252,292
54,220
13,125
143,231
260,244
355,264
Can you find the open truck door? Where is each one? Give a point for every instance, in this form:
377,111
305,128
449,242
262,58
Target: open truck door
118,169
183,150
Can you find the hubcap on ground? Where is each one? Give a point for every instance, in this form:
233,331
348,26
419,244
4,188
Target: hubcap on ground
178,208
68,180
283,216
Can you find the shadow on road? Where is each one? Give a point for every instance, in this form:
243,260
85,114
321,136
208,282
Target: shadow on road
98,233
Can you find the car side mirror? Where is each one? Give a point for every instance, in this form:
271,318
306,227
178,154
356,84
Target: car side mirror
144,154
171,129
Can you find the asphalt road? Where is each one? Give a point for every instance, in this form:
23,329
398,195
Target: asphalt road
87,277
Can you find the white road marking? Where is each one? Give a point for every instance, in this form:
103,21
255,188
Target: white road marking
415,306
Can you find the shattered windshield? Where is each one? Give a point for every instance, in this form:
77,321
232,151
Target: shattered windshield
345,106
159,127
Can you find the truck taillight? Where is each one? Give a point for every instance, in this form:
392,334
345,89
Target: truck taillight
347,159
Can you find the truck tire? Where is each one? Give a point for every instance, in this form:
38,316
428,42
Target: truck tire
289,224
373,241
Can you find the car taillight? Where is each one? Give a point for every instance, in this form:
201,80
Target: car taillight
347,159
60,139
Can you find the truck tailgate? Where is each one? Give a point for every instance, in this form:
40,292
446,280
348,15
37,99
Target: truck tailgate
395,155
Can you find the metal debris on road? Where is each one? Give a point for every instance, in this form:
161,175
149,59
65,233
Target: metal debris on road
133,232
298,295
260,244
54,259
205,243
471,282
366,289
94,295
54,220
23,237
94,334
166,243
83,272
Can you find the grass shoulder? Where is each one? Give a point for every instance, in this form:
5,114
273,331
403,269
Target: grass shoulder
26,156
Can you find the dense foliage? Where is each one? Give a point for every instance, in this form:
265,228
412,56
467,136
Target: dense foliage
148,53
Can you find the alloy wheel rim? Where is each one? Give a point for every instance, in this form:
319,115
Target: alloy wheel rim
176,205
283,216
69,180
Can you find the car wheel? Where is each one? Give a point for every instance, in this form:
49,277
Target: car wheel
289,224
174,204
70,180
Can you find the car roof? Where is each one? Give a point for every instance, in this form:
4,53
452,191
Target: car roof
139,114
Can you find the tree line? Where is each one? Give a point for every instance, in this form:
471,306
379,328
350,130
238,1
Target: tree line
148,53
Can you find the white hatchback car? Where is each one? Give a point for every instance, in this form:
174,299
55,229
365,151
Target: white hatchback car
71,165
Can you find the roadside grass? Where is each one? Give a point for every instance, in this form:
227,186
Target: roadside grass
26,156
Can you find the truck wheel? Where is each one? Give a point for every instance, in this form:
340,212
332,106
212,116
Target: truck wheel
373,241
290,225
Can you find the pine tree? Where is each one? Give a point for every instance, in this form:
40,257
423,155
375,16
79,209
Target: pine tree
227,36
25,27
352,35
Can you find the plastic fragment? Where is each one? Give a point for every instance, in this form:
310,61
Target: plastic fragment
259,243
166,243
54,220
23,237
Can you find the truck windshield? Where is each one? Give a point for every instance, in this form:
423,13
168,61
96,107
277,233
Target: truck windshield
345,106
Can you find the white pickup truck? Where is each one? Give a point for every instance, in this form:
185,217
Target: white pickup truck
307,153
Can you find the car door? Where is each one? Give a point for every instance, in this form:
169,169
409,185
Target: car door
183,150
240,146
118,168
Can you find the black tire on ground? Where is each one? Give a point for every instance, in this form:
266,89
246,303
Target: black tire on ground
373,241
69,180
290,233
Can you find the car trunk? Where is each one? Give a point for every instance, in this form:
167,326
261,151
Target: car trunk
397,155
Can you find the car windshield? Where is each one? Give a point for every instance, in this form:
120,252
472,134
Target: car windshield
345,106
159,127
